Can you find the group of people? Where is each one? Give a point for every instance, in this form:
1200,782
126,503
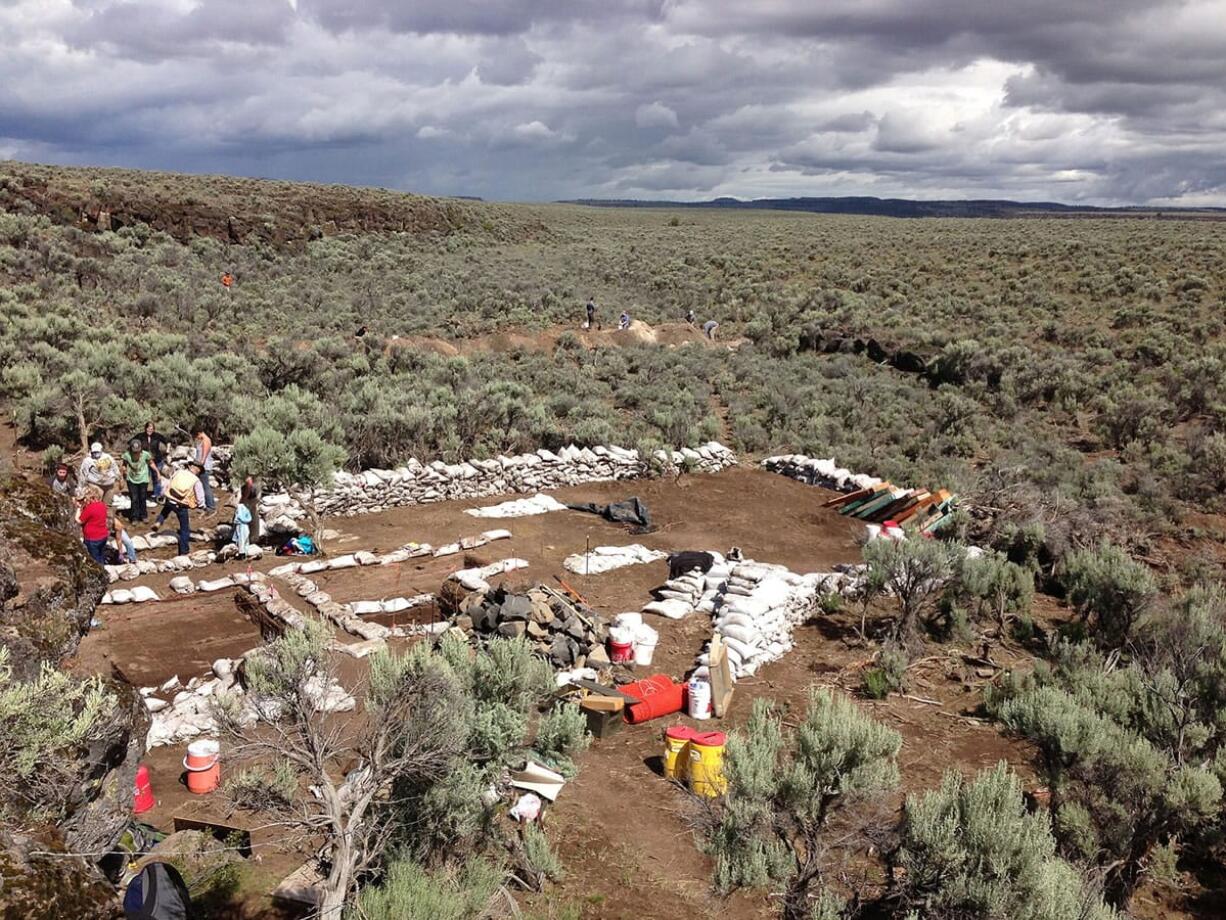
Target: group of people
144,472
623,322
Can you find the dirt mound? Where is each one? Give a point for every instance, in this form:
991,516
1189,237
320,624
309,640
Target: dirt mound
237,210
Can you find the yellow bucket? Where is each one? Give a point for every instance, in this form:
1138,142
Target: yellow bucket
707,764
676,757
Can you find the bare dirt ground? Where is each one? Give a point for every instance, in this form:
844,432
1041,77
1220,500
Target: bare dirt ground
623,832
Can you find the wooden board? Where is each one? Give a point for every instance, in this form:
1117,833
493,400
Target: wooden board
721,677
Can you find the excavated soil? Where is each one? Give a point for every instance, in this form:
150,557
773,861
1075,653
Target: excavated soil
623,832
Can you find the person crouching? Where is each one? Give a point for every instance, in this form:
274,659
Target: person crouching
183,493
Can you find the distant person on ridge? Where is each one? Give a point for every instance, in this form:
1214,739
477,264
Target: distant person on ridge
708,329
591,314
99,469
227,280
690,318
184,492
204,459
624,321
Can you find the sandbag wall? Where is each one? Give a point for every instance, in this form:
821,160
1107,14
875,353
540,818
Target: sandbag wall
418,484
816,471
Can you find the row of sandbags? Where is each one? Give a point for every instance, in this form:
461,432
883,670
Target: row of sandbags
417,483
816,471
310,566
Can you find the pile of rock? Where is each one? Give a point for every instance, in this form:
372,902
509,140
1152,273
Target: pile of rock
819,472
417,483
566,634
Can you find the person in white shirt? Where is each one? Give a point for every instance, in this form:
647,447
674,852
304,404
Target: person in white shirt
99,469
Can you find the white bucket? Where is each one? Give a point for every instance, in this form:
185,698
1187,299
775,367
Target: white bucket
698,691
631,620
644,648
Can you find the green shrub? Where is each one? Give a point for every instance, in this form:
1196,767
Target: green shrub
970,849
409,890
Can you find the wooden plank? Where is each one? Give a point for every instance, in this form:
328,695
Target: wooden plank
721,677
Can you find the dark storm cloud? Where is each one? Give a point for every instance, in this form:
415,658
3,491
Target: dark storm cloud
1071,99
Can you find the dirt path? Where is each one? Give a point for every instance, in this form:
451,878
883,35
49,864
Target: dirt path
667,335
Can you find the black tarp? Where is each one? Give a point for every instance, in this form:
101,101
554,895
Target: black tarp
631,511
157,893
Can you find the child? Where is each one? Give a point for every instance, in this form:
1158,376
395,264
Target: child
242,529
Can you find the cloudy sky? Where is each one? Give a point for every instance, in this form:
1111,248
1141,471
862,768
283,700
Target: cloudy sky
1102,101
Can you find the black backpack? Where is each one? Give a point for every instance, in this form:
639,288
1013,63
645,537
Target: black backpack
157,893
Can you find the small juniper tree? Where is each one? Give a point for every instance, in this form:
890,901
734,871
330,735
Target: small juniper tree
970,849
783,792
301,463
413,731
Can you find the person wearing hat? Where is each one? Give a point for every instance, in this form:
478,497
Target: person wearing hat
138,470
183,492
99,469
63,482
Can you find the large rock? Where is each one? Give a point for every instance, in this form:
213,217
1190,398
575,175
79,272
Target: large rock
49,589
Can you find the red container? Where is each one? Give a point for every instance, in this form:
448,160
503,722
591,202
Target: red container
660,696
142,792
621,651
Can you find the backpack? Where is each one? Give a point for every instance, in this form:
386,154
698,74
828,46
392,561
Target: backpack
157,893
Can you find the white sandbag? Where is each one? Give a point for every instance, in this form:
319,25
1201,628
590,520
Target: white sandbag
363,608
216,584
748,635
141,594
521,507
674,610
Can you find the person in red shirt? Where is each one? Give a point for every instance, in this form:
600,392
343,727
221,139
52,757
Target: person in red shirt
91,515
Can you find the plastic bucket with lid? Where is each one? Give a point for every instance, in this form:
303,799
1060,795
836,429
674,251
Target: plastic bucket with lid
621,644
707,763
698,695
676,754
203,766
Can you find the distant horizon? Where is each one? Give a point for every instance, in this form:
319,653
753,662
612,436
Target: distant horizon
636,200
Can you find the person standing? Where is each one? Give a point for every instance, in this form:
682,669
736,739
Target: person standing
591,313
204,459
156,444
184,492
99,469
63,482
92,516
708,329
138,470
242,529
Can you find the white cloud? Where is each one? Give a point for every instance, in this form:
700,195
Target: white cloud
655,115
1047,99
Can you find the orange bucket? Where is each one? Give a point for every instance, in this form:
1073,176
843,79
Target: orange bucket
203,766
